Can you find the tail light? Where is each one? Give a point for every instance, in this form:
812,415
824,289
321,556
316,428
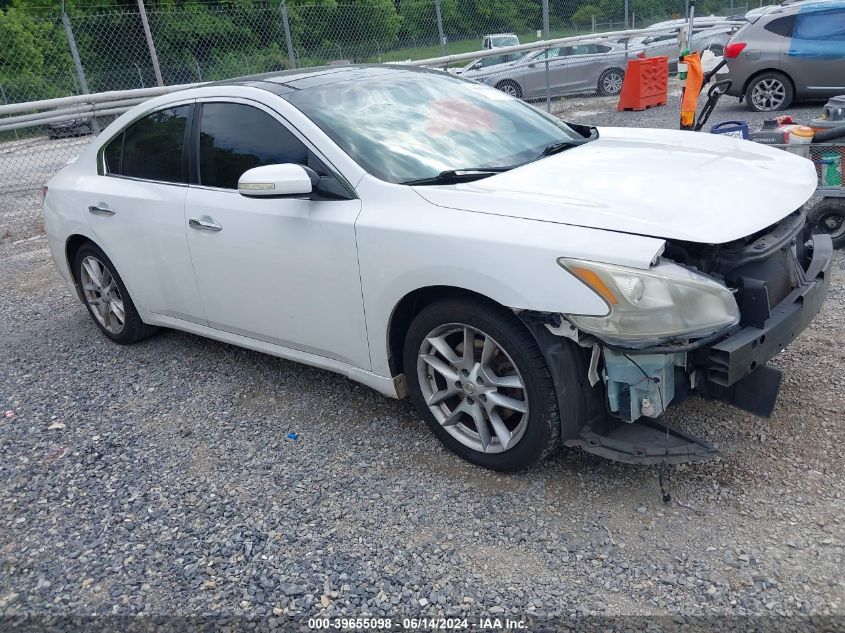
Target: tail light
733,49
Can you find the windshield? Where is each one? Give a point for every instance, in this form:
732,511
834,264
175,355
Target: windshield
408,126
504,40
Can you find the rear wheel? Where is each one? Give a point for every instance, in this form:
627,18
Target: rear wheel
107,299
828,216
769,92
510,88
610,82
478,378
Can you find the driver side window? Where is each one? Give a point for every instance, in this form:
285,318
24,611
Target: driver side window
234,138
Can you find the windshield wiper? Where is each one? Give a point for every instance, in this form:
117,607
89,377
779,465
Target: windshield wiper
556,148
454,176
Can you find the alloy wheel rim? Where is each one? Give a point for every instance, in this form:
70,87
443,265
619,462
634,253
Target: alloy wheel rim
509,89
768,94
833,224
473,388
612,83
102,295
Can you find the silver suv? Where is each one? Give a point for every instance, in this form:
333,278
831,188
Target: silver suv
789,52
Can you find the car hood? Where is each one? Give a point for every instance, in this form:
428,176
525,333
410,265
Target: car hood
661,183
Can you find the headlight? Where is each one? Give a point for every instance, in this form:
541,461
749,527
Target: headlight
664,302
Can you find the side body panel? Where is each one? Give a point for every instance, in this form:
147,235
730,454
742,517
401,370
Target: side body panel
405,244
763,52
281,270
817,63
145,238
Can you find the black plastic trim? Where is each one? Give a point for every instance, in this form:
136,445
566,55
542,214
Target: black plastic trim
738,355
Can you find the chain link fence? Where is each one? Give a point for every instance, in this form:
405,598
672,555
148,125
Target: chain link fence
79,52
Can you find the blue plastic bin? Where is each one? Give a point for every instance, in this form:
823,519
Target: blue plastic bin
739,129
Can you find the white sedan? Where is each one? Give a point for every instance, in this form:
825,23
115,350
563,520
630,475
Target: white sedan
527,281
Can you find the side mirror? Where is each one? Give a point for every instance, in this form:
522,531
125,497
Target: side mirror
476,65
268,181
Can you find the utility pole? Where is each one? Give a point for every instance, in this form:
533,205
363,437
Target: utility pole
150,45
439,15
288,39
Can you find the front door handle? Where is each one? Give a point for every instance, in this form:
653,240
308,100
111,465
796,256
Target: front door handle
204,223
101,208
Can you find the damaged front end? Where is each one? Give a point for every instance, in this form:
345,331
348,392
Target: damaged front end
704,320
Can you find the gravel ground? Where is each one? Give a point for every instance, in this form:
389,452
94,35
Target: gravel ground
594,110
157,479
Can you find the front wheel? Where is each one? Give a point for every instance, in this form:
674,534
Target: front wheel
828,216
480,381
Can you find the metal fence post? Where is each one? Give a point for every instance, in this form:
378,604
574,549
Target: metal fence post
440,33
6,101
288,39
196,63
626,14
150,45
545,19
77,62
140,76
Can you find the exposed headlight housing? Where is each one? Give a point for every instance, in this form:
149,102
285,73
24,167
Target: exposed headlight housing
645,307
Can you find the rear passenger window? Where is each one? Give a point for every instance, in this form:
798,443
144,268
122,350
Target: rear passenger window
823,25
151,148
781,26
235,138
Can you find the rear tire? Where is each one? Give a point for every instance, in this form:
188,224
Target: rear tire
610,82
827,216
769,92
510,87
496,406
104,294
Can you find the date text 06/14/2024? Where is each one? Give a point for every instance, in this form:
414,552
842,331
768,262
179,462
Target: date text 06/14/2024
416,624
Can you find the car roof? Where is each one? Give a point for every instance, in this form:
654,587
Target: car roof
286,81
789,8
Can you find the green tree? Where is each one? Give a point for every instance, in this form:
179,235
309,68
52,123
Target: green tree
583,16
35,61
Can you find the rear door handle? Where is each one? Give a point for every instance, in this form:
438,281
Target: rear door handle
101,209
204,223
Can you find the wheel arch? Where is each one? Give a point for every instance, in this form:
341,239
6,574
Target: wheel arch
77,240
72,246
757,73
409,306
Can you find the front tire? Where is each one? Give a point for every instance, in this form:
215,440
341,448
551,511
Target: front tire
769,92
108,302
480,381
828,216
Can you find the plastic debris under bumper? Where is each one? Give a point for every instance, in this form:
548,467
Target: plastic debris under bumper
645,441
